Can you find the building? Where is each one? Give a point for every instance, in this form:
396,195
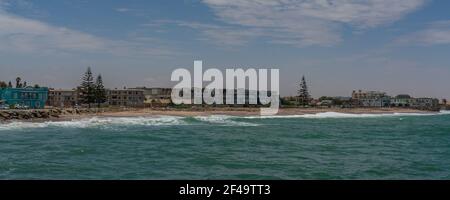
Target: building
30,97
425,104
371,98
379,102
62,98
325,103
402,100
156,96
125,97
368,94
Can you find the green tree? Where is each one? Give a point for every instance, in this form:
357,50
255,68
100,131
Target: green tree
10,84
3,84
87,88
18,82
303,93
100,92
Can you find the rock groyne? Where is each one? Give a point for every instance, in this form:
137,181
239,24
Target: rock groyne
8,115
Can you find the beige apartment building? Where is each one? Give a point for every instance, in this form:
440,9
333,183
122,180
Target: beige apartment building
125,97
62,98
156,96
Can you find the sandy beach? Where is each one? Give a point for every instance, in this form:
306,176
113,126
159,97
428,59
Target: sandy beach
241,112
71,114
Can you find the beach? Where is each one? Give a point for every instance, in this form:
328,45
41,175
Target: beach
71,114
247,111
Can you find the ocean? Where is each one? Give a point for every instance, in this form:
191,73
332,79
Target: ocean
316,146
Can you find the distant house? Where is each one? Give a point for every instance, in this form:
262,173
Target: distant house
368,94
125,97
402,100
371,98
62,98
156,96
325,102
30,97
426,103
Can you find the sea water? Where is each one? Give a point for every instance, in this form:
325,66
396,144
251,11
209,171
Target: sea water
316,146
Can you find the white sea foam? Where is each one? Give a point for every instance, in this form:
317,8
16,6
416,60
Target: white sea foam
119,122
445,112
225,120
98,122
346,115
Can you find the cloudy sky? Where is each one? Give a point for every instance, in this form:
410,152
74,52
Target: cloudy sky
400,46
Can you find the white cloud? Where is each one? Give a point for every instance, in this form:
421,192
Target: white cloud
437,33
218,34
123,10
24,35
310,22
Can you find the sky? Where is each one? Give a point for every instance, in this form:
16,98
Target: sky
400,47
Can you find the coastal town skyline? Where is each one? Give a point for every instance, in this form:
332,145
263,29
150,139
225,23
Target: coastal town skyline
236,93
397,47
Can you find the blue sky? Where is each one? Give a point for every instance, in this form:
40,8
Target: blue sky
400,46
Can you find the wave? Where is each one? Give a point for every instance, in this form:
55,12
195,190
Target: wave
98,122
226,120
444,112
221,120
347,115
124,122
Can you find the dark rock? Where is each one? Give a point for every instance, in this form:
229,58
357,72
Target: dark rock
4,115
45,115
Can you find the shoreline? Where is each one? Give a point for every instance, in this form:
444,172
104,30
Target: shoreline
253,111
71,114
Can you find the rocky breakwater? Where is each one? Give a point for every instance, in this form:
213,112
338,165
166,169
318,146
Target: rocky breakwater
11,115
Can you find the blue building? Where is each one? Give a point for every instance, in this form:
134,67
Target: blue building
32,97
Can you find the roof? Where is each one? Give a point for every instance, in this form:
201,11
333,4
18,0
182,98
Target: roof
403,96
28,89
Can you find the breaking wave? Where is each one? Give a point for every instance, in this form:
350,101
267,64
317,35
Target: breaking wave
225,120
217,120
115,122
347,115
98,122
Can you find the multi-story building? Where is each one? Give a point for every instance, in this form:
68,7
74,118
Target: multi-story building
368,94
425,103
62,98
125,97
402,100
238,97
156,96
29,97
371,98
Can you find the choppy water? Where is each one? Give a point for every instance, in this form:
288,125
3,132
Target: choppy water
320,146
